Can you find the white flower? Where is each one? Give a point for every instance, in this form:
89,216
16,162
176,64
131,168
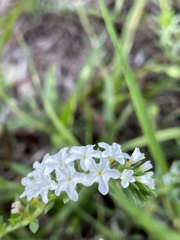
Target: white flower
167,179
113,152
136,156
147,180
127,177
31,188
67,179
57,160
101,173
175,168
173,176
85,154
145,166
38,167
39,185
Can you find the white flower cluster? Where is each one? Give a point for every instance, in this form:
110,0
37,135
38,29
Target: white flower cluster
61,172
173,176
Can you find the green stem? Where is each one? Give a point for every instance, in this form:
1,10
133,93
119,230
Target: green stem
23,223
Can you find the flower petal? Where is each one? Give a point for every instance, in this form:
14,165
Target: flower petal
113,173
88,180
124,183
103,186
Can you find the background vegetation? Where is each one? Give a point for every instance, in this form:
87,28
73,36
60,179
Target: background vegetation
75,73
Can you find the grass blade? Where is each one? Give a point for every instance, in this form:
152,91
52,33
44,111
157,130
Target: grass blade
136,95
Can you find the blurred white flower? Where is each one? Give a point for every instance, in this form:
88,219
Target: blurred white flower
39,168
126,178
145,166
100,173
173,176
136,156
39,185
175,168
167,179
67,179
113,152
55,161
147,180
85,154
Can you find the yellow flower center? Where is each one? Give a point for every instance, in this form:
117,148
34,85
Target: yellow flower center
69,179
99,173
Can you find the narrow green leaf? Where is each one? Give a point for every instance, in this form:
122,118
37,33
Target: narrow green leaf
112,192
135,93
161,135
109,100
34,226
20,169
138,173
50,89
131,24
134,186
65,199
56,121
49,206
67,111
